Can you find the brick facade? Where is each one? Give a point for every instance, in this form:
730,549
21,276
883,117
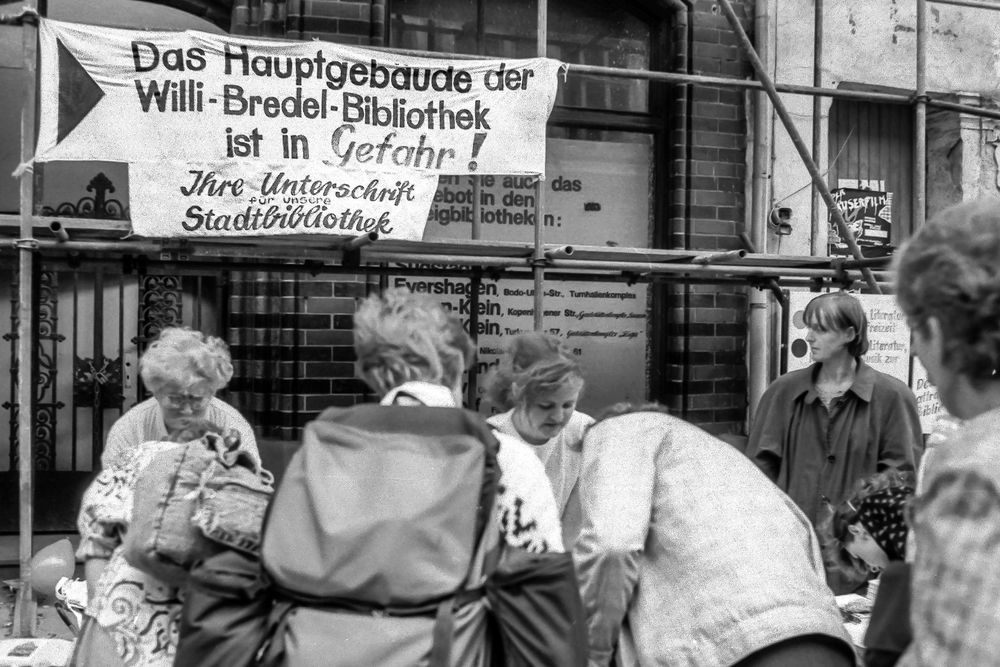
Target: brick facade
700,368
704,374
292,347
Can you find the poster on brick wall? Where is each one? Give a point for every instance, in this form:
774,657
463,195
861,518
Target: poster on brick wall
888,347
597,193
868,214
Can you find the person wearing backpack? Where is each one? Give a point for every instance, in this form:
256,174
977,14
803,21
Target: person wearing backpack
383,534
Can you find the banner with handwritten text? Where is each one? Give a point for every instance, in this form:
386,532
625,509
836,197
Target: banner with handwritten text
245,199
131,95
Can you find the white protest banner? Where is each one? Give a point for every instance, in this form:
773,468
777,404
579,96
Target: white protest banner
131,95
239,198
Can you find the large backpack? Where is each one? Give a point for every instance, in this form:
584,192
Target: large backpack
379,537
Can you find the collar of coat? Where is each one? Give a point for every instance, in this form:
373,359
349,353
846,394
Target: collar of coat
862,387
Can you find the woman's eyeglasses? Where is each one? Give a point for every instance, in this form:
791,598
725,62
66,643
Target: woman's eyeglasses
178,401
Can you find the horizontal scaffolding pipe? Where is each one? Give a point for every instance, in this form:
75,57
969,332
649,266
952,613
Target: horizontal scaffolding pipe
60,232
750,84
981,4
372,254
706,269
718,257
193,267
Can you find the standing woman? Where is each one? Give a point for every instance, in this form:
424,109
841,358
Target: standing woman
539,384
819,429
948,284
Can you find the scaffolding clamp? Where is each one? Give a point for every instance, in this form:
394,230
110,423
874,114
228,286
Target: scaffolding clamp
26,244
840,273
27,15
352,249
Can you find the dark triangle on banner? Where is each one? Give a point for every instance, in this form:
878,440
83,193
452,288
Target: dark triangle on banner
78,92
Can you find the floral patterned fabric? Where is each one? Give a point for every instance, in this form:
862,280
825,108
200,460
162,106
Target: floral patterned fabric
136,613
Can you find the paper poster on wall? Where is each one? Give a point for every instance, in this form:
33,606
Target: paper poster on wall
868,214
133,95
928,404
597,193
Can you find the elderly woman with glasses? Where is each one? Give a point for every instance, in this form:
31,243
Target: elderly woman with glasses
132,617
183,369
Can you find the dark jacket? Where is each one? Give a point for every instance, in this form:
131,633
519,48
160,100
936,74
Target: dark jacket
815,455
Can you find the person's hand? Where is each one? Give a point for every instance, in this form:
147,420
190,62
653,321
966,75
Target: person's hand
232,440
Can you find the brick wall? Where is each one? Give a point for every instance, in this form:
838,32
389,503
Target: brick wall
700,369
290,335
705,334
292,347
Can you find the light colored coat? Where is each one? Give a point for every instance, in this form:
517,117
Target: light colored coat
686,540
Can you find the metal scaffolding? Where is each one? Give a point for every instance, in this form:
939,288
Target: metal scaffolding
28,234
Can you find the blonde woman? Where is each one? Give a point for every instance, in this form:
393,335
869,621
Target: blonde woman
538,385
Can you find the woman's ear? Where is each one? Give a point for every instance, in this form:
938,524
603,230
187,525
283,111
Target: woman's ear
935,336
851,334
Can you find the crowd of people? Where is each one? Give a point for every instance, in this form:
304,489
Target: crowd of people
634,538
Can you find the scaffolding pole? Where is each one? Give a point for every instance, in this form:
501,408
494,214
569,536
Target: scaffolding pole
800,146
538,260
25,617
817,137
920,122
758,331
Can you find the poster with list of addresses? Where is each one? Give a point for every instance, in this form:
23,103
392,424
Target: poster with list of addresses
597,193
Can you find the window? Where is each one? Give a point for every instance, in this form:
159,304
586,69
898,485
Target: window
583,32
603,164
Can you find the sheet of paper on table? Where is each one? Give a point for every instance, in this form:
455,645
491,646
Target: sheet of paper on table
856,610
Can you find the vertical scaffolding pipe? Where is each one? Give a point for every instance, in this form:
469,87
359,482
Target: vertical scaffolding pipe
800,146
538,257
817,118
920,122
25,605
475,284
758,348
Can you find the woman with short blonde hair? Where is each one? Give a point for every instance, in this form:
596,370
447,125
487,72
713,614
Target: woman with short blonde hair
538,385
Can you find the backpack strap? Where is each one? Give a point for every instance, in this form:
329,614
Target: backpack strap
483,561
